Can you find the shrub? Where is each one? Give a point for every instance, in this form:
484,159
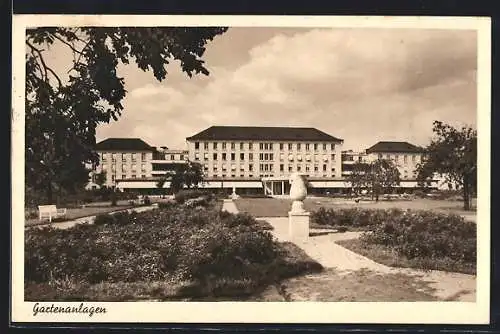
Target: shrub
202,246
426,234
351,217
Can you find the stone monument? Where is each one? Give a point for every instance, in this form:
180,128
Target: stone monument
298,218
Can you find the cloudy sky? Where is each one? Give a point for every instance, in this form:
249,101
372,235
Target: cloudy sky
361,85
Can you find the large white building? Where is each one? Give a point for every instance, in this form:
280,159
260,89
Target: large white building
247,158
250,160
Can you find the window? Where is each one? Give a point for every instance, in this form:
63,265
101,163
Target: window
205,146
205,167
299,157
215,146
316,168
124,168
261,146
233,146
324,147
196,145
143,167
405,159
233,167
380,156
281,146
113,167
242,146
325,158
205,156
196,156
333,169
250,167
266,167
214,168
250,146
324,168
289,147
134,176
172,157
242,156
298,168
270,146
233,156
333,157
290,157
223,167
124,156
261,167
250,156
214,156
134,156
113,178
332,147
266,157
307,147
113,156
308,157
282,157
143,176
223,146
396,157
290,168
242,168
413,158
224,156
298,146
315,147
271,167
134,167
282,167
307,168
316,157
124,176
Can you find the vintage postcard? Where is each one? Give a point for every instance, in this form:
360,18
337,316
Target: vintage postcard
251,169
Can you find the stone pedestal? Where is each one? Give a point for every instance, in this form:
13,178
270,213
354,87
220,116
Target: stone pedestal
298,225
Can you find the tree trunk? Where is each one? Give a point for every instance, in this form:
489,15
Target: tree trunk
467,199
49,193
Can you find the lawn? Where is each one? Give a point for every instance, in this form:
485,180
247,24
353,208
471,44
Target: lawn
273,207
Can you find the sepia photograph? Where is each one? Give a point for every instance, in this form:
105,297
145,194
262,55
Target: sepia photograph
222,167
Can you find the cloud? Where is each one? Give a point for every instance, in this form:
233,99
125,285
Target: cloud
362,85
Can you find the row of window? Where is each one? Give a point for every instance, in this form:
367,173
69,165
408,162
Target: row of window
396,157
124,176
114,156
270,167
265,146
261,175
262,157
125,167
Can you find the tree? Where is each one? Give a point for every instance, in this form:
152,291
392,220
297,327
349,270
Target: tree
186,175
452,153
160,183
100,179
378,176
62,113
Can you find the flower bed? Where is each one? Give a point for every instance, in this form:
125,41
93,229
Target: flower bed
216,252
351,218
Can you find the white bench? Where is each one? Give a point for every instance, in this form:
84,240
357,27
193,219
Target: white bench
50,212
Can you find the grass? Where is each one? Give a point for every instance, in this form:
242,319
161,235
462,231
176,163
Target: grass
294,261
357,286
391,258
273,207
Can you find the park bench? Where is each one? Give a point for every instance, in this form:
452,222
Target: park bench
50,212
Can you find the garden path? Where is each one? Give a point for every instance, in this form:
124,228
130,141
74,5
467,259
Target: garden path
324,249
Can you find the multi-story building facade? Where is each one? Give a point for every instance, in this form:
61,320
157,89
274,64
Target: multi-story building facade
166,160
124,158
405,156
268,154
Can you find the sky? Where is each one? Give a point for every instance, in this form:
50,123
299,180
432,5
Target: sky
362,85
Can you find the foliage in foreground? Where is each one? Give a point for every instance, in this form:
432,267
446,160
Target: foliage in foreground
211,250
